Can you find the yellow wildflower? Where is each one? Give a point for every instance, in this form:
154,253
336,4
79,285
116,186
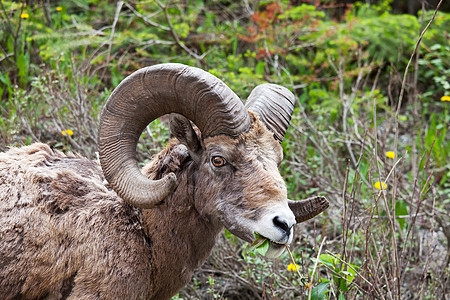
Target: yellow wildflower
292,267
306,286
380,185
24,15
445,98
390,154
67,132
59,8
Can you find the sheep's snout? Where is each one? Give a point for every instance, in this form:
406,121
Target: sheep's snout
278,225
284,225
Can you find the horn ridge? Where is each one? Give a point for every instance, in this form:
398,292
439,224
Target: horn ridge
274,105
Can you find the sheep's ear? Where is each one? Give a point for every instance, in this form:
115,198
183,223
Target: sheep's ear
182,129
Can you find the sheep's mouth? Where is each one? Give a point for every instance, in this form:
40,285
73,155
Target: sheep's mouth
275,248
279,243
276,244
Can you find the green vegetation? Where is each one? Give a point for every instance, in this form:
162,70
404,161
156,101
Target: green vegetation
59,61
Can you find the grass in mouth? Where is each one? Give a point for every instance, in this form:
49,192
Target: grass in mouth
260,244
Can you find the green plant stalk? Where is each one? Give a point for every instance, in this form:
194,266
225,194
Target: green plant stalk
302,278
315,267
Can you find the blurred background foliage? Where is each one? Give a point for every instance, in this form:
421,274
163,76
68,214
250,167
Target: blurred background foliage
344,60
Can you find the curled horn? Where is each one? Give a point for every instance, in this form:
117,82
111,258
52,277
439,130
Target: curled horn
274,105
146,95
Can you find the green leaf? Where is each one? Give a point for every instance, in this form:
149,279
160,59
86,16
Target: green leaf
182,29
260,68
23,62
259,240
401,209
262,249
328,260
4,79
318,293
342,283
260,244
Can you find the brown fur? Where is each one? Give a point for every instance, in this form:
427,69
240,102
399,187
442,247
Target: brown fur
64,234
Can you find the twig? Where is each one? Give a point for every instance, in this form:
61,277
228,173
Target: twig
381,265
391,221
344,213
415,114
256,291
145,19
400,100
175,35
8,22
402,90
302,278
14,35
419,201
113,29
391,217
424,274
347,102
350,266
315,267
7,55
250,11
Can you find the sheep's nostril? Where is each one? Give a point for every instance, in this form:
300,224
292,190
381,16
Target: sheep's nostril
282,225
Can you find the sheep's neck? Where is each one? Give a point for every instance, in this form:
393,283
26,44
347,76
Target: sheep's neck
181,239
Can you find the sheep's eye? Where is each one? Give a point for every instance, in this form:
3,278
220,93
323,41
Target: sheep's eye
218,161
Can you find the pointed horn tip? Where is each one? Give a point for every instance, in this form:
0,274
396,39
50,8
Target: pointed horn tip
322,202
308,208
319,205
170,183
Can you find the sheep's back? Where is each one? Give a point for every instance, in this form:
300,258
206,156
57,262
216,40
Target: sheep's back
63,232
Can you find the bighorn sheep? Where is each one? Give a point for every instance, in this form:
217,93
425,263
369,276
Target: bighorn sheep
66,233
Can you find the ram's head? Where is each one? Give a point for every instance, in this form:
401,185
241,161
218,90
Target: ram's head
236,150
